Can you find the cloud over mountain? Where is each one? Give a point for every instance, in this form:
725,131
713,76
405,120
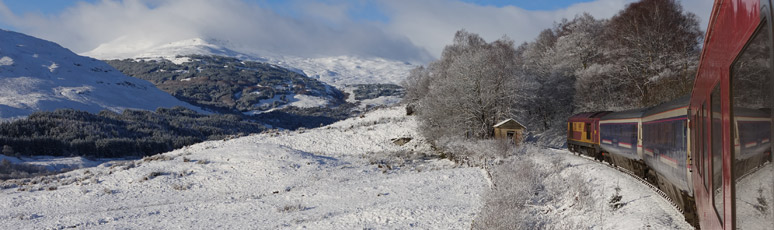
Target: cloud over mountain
413,31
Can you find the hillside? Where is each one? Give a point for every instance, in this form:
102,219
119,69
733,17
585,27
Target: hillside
38,75
338,71
346,175
230,85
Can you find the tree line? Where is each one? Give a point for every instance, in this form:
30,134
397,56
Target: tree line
67,132
646,54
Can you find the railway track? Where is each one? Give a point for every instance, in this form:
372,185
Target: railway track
641,180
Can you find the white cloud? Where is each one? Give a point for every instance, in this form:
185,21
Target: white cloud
415,30
432,23
149,23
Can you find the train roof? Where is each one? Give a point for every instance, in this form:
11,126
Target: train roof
590,115
670,105
634,113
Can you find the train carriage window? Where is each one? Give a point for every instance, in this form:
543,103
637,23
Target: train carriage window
693,123
753,174
717,151
705,147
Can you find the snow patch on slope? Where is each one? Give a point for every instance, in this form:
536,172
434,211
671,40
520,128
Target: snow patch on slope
6,61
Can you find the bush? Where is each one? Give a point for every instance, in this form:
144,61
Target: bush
372,91
10,170
475,152
516,181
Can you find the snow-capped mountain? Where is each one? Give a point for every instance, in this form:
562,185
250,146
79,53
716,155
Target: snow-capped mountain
338,70
40,75
121,49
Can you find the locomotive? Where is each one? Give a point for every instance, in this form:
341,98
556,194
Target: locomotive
709,152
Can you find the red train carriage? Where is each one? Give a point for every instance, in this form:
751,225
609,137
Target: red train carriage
731,119
583,133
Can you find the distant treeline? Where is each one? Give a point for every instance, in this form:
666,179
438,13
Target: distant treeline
372,91
69,132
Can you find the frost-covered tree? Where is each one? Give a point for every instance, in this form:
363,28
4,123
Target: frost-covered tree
551,63
7,150
468,90
651,51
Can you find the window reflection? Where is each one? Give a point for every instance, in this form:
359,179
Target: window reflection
751,132
717,152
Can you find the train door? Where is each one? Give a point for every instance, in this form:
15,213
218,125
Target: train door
752,174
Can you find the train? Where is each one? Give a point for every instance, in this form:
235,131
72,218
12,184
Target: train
710,152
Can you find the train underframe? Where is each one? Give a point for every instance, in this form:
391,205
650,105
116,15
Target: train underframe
584,148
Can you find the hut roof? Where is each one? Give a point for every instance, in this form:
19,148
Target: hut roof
510,123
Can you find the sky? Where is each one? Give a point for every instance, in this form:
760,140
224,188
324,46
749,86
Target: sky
406,30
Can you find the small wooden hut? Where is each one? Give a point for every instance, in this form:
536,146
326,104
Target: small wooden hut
509,129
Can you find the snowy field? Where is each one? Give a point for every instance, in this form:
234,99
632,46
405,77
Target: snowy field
321,178
58,164
348,175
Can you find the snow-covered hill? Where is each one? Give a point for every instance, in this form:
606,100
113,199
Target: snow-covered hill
342,176
348,175
40,75
338,71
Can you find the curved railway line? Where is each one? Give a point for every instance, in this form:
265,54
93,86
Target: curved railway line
652,187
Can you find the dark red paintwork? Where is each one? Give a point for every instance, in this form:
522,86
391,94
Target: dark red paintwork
732,23
591,118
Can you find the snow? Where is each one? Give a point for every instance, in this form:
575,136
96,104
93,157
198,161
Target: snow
380,101
40,75
333,177
338,71
58,164
306,101
756,192
52,67
297,100
272,180
6,61
642,208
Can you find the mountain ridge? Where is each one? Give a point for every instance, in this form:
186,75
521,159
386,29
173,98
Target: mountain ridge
339,70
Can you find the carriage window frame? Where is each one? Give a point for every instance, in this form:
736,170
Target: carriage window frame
765,26
704,148
716,152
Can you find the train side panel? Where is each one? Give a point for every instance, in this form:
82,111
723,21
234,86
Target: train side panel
621,140
732,173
